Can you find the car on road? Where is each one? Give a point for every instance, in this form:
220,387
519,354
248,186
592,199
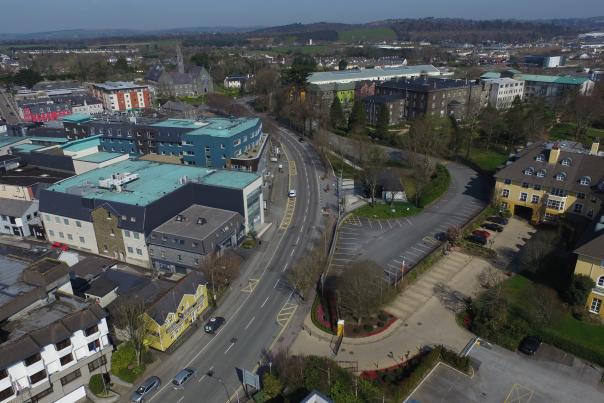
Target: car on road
149,386
213,324
481,232
291,193
301,139
530,345
498,220
492,226
182,377
477,239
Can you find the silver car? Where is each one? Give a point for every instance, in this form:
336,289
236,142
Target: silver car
146,388
182,377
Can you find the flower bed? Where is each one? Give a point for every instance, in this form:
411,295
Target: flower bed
372,326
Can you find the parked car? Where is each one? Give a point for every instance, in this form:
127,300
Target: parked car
292,193
498,220
301,139
146,388
492,226
530,345
481,232
477,239
182,377
213,324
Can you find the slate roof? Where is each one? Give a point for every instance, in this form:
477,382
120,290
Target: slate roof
169,301
187,225
101,286
14,208
592,244
154,72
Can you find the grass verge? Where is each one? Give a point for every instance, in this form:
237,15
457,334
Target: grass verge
387,210
439,183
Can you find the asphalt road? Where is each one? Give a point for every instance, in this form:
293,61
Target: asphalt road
254,319
7,108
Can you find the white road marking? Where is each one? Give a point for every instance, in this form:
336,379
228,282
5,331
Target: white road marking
389,224
413,253
409,221
277,283
230,347
292,253
284,267
419,245
419,250
180,400
249,323
264,303
201,379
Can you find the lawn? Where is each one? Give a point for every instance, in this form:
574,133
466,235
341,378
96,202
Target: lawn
384,210
489,160
340,167
565,131
439,183
311,50
367,34
123,363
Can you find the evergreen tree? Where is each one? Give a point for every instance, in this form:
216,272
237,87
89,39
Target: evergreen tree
383,122
357,121
336,114
342,65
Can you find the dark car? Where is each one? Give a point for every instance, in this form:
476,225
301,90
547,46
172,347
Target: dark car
301,139
530,345
477,239
482,233
492,226
498,220
146,388
213,324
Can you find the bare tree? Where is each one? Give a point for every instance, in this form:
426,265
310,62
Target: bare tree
221,270
372,169
131,321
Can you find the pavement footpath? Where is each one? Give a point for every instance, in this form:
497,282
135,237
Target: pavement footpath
425,310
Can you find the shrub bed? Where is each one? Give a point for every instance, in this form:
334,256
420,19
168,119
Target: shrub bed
96,385
123,363
439,183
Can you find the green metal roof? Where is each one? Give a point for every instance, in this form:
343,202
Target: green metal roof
77,118
82,144
49,139
99,157
491,74
8,140
179,123
553,79
155,180
27,148
222,127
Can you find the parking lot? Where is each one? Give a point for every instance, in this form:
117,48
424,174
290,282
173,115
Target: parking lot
505,376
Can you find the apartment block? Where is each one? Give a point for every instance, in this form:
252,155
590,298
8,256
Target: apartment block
590,262
120,96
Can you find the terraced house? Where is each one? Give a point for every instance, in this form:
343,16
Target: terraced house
590,262
548,180
111,211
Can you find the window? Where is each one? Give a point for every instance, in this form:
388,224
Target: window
535,199
6,393
132,219
109,215
63,344
558,192
567,162
32,359
578,208
65,221
3,373
124,218
130,249
194,244
505,193
78,224
507,181
523,196
37,377
529,171
525,185
66,359
91,330
541,173
71,377
560,176
127,233
57,220
92,365
51,232
596,304
70,237
179,257
136,235
540,158
555,204
40,396
599,283
82,240
139,252
580,195
537,187
94,345
585,181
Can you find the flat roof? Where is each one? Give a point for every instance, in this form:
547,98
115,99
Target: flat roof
99,157
384,73
224,127
27,148
118,85
180,123
76,118
60,140
27,176
155,180
8,140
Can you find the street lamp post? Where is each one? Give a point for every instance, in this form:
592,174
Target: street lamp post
210,374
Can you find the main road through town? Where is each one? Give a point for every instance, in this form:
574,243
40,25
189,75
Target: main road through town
7,108
256,313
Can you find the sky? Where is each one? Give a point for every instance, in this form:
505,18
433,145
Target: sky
19,16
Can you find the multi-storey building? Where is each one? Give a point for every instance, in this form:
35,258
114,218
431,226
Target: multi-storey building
122,96
547,180
43,111
374,74
232,143
323,95
111,211
395,105
51,341
503,92
590,262
436,96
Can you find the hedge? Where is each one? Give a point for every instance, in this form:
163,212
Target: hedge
313,316
590,354
428,362
96,384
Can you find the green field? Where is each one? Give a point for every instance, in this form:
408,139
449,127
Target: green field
306,50
340,167
367,34
565,131
383,210
487,160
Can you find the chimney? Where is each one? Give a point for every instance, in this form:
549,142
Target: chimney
554,154
595,147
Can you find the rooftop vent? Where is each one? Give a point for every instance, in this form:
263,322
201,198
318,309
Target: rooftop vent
180,218
201,221
117,180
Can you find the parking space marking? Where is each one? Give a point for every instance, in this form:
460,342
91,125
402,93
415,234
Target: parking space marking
408,221
417,249
519,394
264,303
413,253
421,245
389,224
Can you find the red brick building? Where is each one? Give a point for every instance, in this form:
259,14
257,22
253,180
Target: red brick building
122,96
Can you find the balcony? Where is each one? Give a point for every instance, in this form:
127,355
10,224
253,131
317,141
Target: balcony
561,199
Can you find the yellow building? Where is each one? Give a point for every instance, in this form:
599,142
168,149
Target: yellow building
590,262
174,311
548,180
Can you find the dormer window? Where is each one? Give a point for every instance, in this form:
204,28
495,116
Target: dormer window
201,221
540,158
561,176
541,173
179,218
585,181
529,171
567,162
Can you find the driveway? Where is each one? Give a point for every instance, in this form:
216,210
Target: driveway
505,376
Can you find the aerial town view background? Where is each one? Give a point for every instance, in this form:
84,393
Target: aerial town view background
314,202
